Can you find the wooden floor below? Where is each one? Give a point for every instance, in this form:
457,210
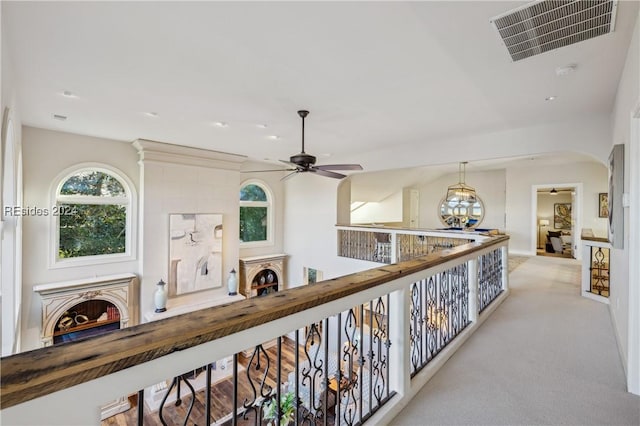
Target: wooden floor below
221,395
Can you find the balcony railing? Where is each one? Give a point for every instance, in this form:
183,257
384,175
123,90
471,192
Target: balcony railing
595,266
343,351
391,245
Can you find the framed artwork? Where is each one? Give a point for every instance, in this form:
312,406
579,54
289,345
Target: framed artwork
562,215
195,252
616,188
603,204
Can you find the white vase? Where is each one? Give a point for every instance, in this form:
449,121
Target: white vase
232,283
160,297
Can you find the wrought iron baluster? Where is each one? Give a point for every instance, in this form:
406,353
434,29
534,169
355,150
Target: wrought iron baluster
176,383
380,363
361,359
207,404
415,327
234,413
279,379
140,407
261,395
296,375
325,340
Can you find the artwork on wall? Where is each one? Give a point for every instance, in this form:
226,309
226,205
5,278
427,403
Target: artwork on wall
562,215
195,252
603,204
616,188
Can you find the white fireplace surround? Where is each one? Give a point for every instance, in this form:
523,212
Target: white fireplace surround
57,298
122,290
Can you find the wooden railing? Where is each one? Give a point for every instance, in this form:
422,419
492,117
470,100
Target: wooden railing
67,383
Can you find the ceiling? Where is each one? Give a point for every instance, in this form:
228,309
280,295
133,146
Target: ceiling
371,73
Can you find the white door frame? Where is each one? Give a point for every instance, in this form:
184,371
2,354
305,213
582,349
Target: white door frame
576,227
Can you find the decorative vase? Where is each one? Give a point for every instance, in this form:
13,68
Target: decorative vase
232,283
160,297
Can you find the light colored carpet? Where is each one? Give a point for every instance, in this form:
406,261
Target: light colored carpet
545,357
515,261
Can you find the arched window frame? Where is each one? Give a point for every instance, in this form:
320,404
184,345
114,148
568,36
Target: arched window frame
129,201
270,215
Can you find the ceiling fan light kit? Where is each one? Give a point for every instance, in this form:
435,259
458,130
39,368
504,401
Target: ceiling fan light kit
303,162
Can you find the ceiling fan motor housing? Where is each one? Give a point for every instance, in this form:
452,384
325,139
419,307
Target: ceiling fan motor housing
303,160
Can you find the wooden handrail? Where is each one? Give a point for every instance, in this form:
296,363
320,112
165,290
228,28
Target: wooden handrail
35,373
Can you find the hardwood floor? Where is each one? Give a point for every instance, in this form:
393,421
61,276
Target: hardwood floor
222,394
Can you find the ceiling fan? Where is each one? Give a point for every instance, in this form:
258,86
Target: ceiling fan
303,162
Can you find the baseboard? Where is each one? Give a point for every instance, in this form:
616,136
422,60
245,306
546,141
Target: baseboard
623,354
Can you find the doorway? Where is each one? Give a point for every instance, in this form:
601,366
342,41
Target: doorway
556,213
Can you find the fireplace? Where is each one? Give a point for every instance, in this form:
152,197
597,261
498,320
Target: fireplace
262,275
77,309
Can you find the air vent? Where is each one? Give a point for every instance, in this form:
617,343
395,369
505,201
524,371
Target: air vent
547,25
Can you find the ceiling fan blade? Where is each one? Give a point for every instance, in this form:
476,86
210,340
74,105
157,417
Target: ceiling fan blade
327,173
339,167
289,163
263,171
289,175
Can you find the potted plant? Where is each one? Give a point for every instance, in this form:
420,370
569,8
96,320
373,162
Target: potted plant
287,409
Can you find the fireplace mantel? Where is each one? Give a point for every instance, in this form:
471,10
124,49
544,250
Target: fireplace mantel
122,290
250,267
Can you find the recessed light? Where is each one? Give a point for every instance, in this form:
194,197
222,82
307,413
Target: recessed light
221,124
151,114
325,154
273,137
261,126
59,117
551,98
68,94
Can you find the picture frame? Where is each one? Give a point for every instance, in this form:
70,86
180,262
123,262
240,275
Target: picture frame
195,253
603,204
562,215
616,188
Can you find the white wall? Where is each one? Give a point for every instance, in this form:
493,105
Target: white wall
490,186
46,154
520,180
383,211
310,235
177,179
625,303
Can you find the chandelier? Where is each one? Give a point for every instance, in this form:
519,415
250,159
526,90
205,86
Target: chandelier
461,192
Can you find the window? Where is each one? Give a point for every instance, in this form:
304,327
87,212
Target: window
255,214
92,214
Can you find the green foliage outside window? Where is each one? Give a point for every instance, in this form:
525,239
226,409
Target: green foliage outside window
93,183
252,193
87,225
92,229
253,224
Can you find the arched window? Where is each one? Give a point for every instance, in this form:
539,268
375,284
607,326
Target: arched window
93,212
256,225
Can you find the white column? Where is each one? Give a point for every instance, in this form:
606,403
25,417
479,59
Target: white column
394,247
400,350
472,305
505,267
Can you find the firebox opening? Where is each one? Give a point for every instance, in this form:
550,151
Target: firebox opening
265,282
89,318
